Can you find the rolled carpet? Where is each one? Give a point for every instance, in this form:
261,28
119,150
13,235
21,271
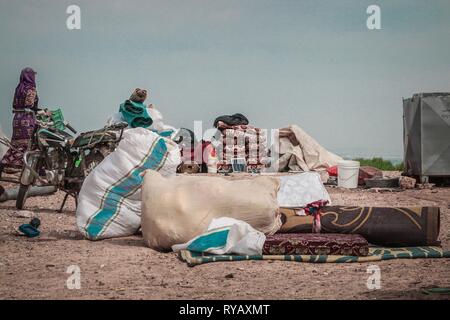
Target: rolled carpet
384,226
375,254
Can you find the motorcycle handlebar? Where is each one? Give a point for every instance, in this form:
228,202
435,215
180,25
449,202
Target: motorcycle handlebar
71,128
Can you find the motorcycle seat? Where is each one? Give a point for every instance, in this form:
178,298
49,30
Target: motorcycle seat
87,138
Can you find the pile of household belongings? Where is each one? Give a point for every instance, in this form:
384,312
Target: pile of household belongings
263,217
288,218
293,150
238,140
243,147
218,219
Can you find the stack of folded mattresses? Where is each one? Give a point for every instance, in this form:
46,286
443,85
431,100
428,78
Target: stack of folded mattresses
242,142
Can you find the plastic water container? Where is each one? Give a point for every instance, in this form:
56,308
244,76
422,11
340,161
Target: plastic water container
348,173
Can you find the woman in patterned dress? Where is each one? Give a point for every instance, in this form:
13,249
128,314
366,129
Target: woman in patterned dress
24,124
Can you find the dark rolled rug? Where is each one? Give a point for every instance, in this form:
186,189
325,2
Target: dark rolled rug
384,226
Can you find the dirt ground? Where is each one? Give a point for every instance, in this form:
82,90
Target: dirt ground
125,269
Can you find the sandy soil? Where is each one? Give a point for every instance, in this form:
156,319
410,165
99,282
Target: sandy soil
125,269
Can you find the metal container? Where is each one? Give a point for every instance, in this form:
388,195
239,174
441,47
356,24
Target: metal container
382,182
426,135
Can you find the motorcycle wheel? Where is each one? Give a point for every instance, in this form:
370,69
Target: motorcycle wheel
22,196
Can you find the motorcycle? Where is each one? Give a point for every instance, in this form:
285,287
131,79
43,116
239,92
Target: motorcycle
59,159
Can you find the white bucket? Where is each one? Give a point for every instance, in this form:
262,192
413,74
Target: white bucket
348,173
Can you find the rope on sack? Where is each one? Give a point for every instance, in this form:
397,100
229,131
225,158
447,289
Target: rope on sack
314,209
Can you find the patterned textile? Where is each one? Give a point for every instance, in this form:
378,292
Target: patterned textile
23,128
23,124
242,141
316,244
14,157
378,225
375,254
295,223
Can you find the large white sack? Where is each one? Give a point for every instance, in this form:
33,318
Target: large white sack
226,236
296,191
177,209
109,204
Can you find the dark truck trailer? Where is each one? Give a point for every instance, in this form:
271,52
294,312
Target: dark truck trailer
426,135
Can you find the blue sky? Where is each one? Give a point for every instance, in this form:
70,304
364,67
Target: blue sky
311,63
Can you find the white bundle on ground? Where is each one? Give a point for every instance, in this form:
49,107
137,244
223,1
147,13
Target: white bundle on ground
177,209
109,204
226,236
296,191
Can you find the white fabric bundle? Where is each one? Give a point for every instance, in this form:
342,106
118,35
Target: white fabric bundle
296,191
226,236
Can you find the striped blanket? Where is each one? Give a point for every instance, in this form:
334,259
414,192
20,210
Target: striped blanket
375,254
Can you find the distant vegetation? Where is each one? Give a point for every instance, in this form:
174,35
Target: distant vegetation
381,164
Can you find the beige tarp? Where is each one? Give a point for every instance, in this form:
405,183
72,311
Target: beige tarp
298,151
